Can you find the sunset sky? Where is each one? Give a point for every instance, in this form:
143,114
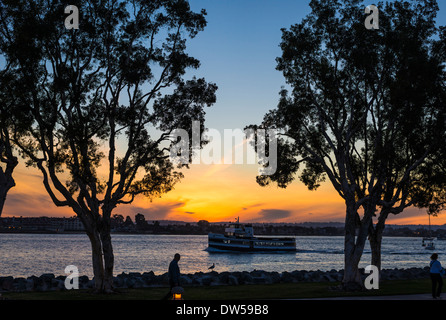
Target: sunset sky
237,51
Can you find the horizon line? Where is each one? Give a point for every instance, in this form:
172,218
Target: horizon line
225,222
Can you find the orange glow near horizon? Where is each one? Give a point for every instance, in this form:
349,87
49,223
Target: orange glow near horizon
214,193
240,56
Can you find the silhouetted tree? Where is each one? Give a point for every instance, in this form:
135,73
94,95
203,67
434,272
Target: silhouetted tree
128,223
203,224
8,161
105,96
14,120
140,221
117,221
156,226
365,109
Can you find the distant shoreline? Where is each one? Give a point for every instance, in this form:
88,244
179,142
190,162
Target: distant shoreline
192,234
302,224
53,225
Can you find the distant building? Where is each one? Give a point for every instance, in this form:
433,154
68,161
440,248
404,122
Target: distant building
73,224
33,224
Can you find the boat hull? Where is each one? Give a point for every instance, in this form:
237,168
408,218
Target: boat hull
254,244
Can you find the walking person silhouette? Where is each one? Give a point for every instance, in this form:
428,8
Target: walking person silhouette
174,275
436,273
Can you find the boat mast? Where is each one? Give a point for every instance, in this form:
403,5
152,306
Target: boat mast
430,233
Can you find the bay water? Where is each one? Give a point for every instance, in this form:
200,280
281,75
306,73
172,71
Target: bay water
24,255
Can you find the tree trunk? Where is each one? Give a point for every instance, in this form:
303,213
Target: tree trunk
375,238
352,255
352,278
3,192
354,248
98,263
375,246
102,257
108,259
6,183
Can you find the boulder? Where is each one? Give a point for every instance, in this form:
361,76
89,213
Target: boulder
286,277
207,280
6,283
223,277
148,277
20,284
185,280
137,280
232,280
245,278
83,281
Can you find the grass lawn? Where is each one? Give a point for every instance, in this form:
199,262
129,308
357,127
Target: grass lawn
241,292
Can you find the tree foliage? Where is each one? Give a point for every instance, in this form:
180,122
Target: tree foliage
364,110
103,100
8,160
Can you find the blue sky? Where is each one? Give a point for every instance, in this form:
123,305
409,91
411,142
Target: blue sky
238,49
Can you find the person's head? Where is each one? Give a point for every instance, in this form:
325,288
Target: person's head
434,256
177,256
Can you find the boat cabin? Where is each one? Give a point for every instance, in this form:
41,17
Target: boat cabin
240,237
239,230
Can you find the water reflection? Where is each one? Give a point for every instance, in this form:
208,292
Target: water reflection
34,254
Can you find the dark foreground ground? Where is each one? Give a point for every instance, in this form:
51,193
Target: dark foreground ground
396,289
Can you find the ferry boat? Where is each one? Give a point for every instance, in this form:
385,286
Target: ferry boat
240,237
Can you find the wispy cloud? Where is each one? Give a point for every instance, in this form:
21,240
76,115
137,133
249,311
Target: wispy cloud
272,215
32,205
156,211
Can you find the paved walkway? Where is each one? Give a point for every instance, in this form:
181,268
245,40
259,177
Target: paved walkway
424,296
